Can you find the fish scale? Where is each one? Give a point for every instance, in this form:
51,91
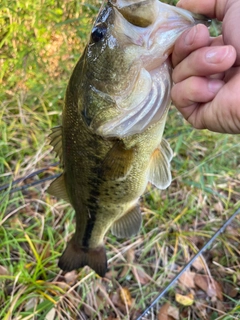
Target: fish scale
110,142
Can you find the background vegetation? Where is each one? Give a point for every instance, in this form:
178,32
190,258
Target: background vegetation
40,42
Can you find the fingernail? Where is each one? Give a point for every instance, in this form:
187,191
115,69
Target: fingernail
189,38
217,54
215,85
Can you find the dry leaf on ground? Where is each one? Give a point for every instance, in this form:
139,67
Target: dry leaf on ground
198,264
140,275
186,301
163,313
125,296
187,279
209,285
71,277
117,301
218,207
4,271
230,290
173,312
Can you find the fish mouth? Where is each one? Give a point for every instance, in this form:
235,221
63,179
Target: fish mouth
149,24
139,13
145,18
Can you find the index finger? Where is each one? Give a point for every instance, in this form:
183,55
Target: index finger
210,8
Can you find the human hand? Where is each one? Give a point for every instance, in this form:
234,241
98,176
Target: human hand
207,70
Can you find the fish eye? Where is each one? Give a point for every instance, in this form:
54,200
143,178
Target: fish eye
98,32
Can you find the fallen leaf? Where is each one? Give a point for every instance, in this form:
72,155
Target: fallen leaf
198,264
125,296
4,271
218,207
186,301
218,290
140,275
71,277
173,312
202,281
230,290
233,231
187,279
200,305
116,300
220,306
163,312
210,286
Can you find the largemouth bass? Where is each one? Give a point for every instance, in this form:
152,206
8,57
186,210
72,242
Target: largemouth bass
110,142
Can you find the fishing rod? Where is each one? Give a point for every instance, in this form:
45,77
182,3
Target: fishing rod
188,265
174,280
31,175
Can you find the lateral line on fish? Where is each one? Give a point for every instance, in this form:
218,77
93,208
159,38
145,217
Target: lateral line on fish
92,206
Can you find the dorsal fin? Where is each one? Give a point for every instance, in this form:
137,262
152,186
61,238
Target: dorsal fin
159,171
56,141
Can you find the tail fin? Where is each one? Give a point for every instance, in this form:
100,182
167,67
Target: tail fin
75,257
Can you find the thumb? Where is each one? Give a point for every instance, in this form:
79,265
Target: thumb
231,26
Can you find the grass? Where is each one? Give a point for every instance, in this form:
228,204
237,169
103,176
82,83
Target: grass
40,43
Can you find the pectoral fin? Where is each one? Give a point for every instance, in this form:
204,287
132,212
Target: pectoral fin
129,224
56,141
159,171
118,162
58,188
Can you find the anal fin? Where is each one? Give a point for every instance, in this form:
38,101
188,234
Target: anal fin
159,171
58,188
118,161
75,257
129,224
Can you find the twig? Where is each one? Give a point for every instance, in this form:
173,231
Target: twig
162,293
